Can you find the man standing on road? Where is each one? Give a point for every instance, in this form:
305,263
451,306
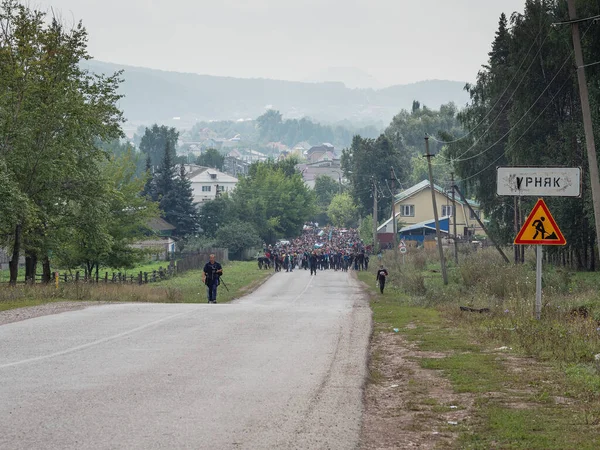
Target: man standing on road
382,273
211,277
312,261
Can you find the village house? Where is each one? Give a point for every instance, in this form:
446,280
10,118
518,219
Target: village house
414,214
322,152
208,183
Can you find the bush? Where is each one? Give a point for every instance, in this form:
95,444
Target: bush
238,236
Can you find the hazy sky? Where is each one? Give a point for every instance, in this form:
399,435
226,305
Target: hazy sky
395,41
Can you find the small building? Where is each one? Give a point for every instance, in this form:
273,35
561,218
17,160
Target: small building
160,242
208,183
320,152
330,168
414,206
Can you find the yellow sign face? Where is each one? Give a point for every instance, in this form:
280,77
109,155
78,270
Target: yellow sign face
540,228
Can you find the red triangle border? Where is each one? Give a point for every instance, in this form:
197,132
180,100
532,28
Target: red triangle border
561,239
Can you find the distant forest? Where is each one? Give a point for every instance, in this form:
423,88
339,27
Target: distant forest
158,96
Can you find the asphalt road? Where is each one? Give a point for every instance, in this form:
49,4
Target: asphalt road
282,368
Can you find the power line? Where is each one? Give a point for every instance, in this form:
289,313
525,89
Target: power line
455,160
502,95
520,137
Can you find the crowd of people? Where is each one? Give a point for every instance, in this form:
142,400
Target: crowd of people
326,248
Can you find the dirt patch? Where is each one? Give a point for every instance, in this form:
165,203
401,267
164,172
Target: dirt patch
29,312
407,406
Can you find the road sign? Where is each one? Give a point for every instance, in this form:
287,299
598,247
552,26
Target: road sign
540,228
403,250
539,181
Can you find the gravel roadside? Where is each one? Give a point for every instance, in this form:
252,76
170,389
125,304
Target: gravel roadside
29,312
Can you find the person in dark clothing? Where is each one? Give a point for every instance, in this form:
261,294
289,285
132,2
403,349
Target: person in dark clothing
312,261
382,273
211,277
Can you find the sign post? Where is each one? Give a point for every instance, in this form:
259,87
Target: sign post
539,229
402,248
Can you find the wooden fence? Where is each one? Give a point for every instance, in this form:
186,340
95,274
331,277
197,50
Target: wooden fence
187,261
196,260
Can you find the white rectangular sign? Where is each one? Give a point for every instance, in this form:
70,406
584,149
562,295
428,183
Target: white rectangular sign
539,181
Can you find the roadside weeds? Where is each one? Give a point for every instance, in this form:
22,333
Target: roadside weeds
436,384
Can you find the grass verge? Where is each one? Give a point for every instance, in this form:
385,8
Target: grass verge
240,277
517,402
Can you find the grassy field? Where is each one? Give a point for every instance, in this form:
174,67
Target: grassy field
534,384
148,267
240,277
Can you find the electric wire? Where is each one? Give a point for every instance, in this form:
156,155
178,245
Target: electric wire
519,138
458,158
503,93
451,161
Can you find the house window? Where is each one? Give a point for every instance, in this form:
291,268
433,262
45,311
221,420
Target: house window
474,214
206,188
447,210
407,210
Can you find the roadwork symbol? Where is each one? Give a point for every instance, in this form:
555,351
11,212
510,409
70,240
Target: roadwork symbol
540,228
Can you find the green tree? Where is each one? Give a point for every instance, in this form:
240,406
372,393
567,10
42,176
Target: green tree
156,139
368,161
164,179
53,113
342,211
325,189
365,230
211,158
238,236
215,213
172,189
275,202
179,208
100,230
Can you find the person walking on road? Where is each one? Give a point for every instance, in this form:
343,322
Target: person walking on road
211,277
382,273
312,262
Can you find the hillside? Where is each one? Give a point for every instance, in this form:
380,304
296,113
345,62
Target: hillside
159,96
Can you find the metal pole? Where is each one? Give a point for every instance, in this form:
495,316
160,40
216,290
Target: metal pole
481,223
538,282
454,220
375,246
516,229
587,118
394,223
438,233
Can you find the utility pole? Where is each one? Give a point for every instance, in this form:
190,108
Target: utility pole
374,216
438,233
454,219
394,222
464,200
587,117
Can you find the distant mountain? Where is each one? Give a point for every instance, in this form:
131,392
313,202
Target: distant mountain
351,77
183,98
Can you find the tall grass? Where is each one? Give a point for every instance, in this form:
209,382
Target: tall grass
569,331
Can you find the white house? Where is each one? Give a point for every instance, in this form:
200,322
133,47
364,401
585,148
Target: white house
207,183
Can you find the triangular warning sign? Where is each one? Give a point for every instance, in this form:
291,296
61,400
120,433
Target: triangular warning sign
540,228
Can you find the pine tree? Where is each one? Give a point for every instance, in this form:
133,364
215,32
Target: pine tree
164,178
180,210
149,187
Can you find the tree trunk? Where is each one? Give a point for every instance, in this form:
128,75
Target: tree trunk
46,273
14,261
30,266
